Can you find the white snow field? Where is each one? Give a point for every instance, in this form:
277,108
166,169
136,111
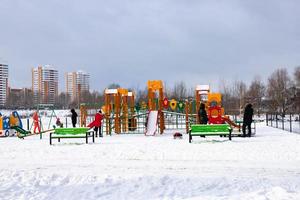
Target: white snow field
138,167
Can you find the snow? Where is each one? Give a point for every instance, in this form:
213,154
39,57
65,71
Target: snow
138,167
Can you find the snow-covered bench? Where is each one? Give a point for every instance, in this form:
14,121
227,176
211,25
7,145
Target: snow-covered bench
72,133
209,130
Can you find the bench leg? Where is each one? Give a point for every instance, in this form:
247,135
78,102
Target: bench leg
86,138
93,137
190,137
58,139
230,134
50,138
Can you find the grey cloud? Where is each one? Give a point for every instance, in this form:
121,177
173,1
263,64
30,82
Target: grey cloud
130,41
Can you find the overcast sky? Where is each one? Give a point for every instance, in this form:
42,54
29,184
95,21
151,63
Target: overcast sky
131,41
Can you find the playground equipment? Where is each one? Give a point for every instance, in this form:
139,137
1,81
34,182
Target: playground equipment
88,110
215,110
152,123
45,107
119,103
40,108
6,124
213,104
153,86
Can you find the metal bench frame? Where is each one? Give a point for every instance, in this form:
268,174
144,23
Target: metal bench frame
86,135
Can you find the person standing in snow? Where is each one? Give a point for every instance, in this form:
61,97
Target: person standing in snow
97,123
247,120
74,117
36,122
202,114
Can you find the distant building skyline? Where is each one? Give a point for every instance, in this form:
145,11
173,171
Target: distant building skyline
77,83
20,97
3,83
44,84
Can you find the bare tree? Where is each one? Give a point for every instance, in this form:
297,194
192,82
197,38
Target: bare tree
297,76
256,93
226,92
63,100
239,94
179,91
233,96
113,86
278,86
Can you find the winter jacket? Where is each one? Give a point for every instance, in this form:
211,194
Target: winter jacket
202,116
35,118
97,122
248,114
74,117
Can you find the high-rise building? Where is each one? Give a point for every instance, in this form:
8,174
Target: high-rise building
44,84
3,83
76,84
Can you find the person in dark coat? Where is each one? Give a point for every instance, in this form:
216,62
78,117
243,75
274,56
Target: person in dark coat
202,114
74,117
247,120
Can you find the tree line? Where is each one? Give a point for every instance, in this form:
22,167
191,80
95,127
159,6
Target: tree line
279,93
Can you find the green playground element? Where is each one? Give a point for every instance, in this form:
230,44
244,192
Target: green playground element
70,131
21,132
24,133
181,106
210,130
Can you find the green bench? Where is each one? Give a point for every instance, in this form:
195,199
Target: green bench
209,130
70,133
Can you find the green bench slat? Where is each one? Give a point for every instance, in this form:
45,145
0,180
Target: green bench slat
70,131
210,129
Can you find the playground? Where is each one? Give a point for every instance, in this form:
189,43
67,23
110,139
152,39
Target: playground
123,115
154,149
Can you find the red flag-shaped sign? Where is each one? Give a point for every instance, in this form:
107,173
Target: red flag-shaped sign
165,103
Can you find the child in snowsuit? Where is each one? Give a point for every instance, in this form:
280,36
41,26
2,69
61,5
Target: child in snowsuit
36,122
58,123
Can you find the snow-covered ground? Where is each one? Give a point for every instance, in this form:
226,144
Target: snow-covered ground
138,167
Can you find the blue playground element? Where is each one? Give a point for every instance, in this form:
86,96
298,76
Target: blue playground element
6,124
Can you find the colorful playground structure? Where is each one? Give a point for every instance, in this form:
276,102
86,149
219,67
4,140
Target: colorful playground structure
7,124
12,125
122,114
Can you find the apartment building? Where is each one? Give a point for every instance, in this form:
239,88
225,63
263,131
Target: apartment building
3,83
76,84
44,84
